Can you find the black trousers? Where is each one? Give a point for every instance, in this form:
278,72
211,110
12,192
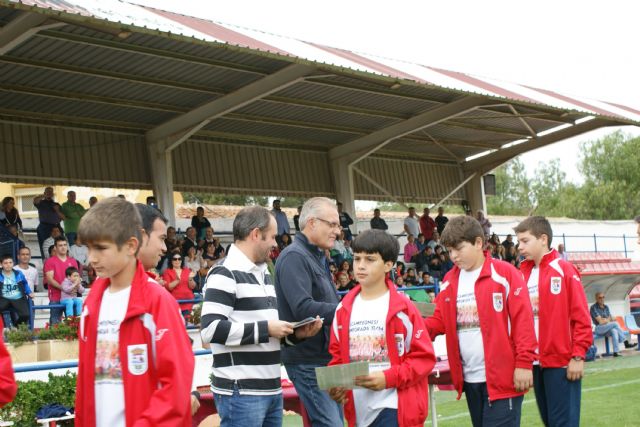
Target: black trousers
19,306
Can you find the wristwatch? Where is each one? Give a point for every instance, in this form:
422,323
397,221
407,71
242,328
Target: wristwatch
577,358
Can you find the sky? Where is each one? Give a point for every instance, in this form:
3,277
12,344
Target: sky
587,48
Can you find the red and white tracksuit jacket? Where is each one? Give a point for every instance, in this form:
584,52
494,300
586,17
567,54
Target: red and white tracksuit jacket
409,370
8,387
506,325
159,393
564,322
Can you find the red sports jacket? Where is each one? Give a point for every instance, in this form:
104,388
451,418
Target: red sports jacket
8,387
564,323
506,324
408,372
158,394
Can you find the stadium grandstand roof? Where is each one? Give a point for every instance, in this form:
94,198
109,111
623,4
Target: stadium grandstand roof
106,82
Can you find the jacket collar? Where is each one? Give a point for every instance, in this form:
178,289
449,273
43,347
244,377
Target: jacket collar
137,298
527,265
397,302
304,241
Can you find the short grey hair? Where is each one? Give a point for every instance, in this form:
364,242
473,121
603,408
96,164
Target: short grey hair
311,209
248,219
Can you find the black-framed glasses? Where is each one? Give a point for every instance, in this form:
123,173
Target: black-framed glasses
330,224
176,259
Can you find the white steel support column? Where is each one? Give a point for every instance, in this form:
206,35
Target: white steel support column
162,179
342,174
475,194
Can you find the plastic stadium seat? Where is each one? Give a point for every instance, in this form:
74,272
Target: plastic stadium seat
631,324
620,321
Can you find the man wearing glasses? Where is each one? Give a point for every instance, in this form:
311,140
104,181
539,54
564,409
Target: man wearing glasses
305,289
607,325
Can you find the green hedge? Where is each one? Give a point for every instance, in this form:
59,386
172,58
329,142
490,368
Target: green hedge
34,394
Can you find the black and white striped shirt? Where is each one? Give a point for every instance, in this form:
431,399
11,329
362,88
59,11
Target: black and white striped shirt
239,300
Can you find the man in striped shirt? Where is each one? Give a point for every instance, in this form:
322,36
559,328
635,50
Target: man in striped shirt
240,319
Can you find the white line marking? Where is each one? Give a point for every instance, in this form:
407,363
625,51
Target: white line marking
585,390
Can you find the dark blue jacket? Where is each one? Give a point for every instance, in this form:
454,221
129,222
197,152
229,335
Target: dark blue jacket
305,289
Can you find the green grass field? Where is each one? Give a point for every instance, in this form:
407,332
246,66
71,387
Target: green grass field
610,396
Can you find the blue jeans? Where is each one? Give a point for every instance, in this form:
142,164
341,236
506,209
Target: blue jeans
558,398
497,413
72,306
241,410
612,329
322,410
388,417
55,314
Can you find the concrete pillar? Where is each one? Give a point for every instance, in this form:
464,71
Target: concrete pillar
342,175
475,194
162,179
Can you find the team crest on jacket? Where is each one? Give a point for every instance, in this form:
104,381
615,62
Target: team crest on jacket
498,304
400,344
556,285
137,359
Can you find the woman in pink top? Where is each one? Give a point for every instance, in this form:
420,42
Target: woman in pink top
410,249
179,281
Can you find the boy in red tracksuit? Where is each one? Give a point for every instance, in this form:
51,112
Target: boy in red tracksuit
8,385
136,364
563,323
484,310
377,324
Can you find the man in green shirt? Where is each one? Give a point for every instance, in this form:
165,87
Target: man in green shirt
73,212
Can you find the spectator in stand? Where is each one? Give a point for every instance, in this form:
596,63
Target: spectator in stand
152,202
296,219
284,241
189,241
194,262
411,224
562,252
281,220
72,214
435,266
607,325
13,229
27,268
446,262
171,242
344,282
345,222
378,223
421,243
49,215
426,280
399,282
512,256
441,220
71,288
345,267
435,241
423,259
338,249
55,272
400,269
200,223
9,214
418,295
80,253
508,242
410,249
14,290
208,238
209,255
427,225
274,254
56,232
179,281
411,279
92,201
484,223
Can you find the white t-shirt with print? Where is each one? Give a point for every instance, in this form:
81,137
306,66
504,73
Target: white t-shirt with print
109,389
368,342
413,225
31,274
532,285
468,322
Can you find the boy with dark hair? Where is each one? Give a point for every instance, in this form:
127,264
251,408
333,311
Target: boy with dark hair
135,364
375,323
485,313
14,290
562,321
71,287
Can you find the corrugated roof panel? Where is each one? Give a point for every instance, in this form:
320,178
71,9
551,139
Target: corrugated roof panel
219,161
409,181
314,115
60,156
443,131
36,78
279,131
